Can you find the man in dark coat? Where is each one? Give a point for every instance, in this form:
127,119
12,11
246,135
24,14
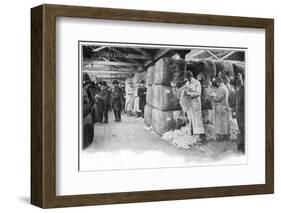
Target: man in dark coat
103,97
240,114
93,89
116,100
88,115
98,105
88,121
142,97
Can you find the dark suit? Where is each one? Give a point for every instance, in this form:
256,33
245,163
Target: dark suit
116,102
142,99
88,118
104,96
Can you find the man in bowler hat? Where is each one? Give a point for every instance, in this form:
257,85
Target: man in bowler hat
116,100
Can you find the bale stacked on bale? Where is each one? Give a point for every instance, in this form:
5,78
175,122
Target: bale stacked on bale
149,96
164,98
162,74
169,70
150,76
164,102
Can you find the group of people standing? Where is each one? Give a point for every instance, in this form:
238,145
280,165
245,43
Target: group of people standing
225,100
101,98
135,98
229,102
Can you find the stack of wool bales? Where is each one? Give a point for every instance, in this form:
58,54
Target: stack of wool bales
165,104
207,69
149,96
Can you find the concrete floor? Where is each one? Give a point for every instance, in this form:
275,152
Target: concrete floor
130,145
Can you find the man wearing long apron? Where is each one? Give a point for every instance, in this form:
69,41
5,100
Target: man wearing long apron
190,101
222,119
129,98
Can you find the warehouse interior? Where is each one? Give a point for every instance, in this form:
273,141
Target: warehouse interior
160,139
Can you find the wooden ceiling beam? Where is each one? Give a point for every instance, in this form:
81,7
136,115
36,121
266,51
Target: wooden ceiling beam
129,59
137,56
108,72
109,63
161,53
109,69
143,52
127,56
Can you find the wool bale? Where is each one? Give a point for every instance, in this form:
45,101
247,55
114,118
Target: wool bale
164,98
149,95
150,76
163,121
206,69
239,68
148,115
178,67
225,68
167,70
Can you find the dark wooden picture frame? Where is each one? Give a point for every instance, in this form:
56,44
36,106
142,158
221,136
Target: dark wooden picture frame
43,105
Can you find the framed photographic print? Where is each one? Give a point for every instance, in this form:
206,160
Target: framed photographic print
136,106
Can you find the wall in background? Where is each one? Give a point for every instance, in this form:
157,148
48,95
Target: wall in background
15,104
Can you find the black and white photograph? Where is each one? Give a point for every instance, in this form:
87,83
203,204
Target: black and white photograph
149,106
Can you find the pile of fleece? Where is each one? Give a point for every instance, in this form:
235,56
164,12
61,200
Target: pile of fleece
181,138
